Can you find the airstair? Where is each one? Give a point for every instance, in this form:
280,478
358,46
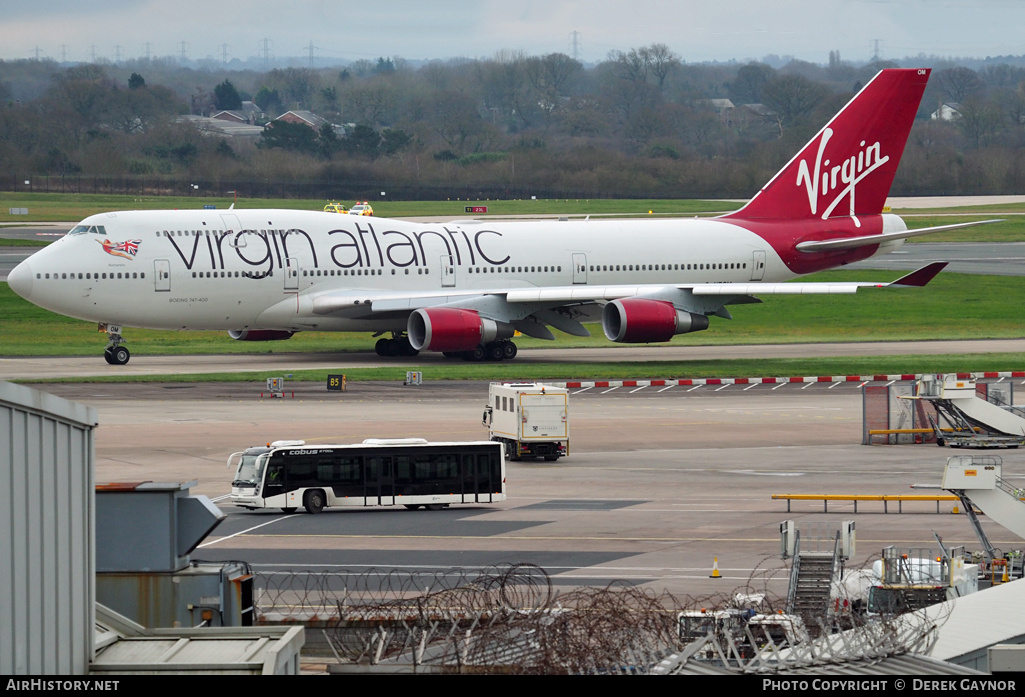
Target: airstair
979,482
817,561
811,581
971,422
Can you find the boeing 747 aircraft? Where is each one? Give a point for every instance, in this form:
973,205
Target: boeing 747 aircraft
466,287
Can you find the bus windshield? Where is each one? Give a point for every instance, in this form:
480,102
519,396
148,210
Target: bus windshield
250,470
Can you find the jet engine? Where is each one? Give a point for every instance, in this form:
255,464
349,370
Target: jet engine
640,320
452,329
260,335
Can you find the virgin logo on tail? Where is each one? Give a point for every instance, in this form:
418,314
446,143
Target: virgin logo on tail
846,175
853,158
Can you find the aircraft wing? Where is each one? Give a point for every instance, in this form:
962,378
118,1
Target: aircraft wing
373,302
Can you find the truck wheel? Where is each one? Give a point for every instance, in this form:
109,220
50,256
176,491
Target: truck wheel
551,458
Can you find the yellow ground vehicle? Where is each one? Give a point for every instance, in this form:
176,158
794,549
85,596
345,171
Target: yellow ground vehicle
361,208
333,207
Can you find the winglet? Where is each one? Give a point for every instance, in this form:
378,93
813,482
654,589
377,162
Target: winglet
920,277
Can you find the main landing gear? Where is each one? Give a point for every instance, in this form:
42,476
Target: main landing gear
492,351
396,346
399,345
116,352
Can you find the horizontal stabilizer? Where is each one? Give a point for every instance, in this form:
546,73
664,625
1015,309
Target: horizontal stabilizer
867,240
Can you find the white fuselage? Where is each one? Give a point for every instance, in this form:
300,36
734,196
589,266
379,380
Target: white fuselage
262,269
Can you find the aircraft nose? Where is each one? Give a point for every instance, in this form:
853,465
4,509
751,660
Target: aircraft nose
20,280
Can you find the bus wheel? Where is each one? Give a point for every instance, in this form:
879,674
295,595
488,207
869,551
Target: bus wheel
551,458
314,502
290,509
411,506
434,506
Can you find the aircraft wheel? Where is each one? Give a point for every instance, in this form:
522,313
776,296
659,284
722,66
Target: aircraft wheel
380,347
509,350
108,356
119,355
495,351
476,355
405,348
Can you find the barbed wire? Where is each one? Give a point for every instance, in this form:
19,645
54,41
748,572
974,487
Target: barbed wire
509,618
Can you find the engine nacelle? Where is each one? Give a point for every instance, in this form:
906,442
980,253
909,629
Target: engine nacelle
452,329
641,321
260,334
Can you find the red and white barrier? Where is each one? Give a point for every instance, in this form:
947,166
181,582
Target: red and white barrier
689,382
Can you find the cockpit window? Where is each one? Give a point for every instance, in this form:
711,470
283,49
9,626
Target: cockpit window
94,229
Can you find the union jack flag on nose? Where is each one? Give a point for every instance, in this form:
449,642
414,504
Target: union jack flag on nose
126,249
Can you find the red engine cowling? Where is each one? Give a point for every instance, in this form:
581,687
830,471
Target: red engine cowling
452,329
260,335
640,321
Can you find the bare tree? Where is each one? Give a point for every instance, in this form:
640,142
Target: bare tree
792,97
958,83
660,61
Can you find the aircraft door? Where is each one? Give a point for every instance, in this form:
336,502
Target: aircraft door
448,271
291,274
579,268
161,275
757,265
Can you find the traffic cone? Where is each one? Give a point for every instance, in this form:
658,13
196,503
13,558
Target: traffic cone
715,568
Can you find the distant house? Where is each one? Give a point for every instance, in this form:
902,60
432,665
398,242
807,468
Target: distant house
757,111
230,115
723,107
221,127
249,113
307,118
946,112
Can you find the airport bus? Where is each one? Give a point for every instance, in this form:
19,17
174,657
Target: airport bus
410,472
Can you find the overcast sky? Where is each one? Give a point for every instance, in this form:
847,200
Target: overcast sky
697,30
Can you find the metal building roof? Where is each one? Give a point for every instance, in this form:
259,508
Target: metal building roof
125,647
972,624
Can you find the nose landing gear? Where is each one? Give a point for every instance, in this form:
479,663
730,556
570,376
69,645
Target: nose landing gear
116,353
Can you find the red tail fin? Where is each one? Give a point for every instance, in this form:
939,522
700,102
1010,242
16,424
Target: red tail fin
847,169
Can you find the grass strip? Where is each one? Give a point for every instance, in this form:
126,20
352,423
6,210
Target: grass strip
640,370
